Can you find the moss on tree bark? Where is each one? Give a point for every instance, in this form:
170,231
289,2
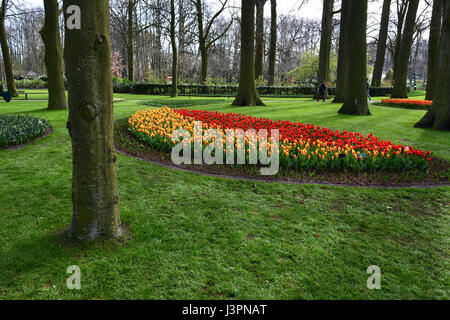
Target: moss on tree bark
433,47
6,53
87,54
355,98
247,94
53,57
438,117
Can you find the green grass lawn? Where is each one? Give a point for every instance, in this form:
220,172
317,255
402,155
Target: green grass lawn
198,237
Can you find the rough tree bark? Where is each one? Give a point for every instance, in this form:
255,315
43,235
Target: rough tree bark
273,41
381,47
325,44
402,7
433,47
438,117
342,73
259,38
173,40
247,94
355,101
401,71
87,55
53,57
6,53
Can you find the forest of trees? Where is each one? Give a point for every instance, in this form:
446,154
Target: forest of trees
206,37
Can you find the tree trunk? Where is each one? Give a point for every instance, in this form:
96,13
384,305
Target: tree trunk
87,54
204,71
325,44
342,68
438,117
355,101
402,7
259,38
247,94
433,47
6,53
53,57
130,44
401,72
381,47
273,42
173,39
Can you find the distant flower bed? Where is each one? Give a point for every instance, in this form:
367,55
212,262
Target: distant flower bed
408,103
20,129
302,146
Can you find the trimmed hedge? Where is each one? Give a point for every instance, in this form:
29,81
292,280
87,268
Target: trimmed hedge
20,129
202,90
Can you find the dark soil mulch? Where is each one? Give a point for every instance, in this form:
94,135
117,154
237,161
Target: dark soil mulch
438,173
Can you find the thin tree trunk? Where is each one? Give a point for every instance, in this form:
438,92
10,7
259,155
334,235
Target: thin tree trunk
433,47
87,54
401,72
381,47
273,42
438,117
247,94
402,6
53,57
342,68
259,38
130,44
356,90
325,44
7,61
173,39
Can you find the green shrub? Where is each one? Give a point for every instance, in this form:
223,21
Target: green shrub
19,129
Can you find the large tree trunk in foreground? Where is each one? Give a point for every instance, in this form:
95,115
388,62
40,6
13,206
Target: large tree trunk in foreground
325,44
259,39
173,40
94,184
381,47
130,44
355,101
342,68
433,47
247,94
401,71
6,54
273,42
438,117
53,57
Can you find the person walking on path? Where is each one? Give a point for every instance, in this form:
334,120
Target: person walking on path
322,91
368,91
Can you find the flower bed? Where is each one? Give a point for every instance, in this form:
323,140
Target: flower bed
408,103
302,146
19,129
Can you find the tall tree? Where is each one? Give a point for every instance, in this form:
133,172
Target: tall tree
381,47
88,63
173,40
204,33
401,70
325,42
247,94
131,36
402,8
438,117
355,100
433,47
259,38
273,41
6,53
342,72
53,57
